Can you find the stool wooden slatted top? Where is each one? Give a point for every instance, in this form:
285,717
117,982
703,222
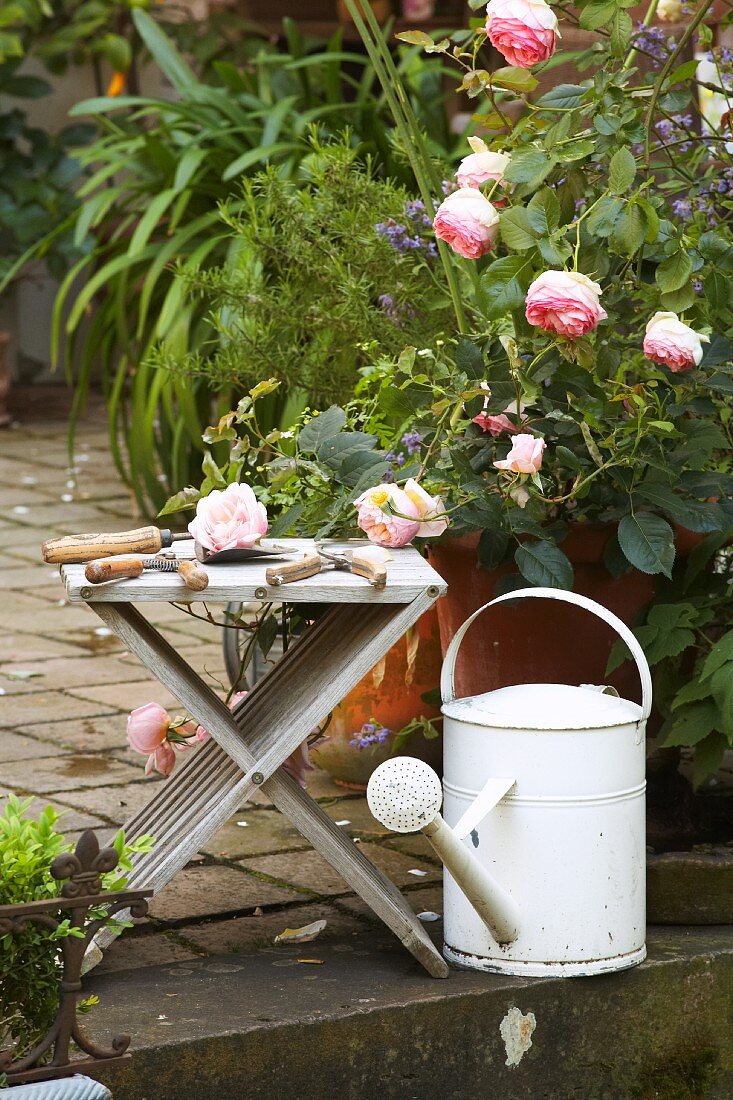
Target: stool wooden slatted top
249,743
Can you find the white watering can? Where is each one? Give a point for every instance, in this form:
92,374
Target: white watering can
544,834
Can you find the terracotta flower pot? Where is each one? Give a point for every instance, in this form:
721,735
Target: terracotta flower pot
389,697
539,641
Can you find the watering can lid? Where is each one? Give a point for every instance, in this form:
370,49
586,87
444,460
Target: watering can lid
544,707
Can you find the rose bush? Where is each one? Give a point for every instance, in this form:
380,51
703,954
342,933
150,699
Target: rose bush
542,409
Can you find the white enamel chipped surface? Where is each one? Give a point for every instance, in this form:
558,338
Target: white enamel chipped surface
408,575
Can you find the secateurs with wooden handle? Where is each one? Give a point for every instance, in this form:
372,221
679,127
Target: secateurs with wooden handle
311,564
120,569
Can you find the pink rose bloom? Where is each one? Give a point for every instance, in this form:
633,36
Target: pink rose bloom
481,165
525,456
495,425
673,343
384,528
564,302
524,31
467,221
147,727
163,760
431,510
229,519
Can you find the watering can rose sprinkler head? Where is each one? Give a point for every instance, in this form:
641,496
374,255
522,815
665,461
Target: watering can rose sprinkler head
405,795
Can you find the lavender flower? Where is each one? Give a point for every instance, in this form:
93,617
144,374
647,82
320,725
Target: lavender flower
653,41
412,441
369,734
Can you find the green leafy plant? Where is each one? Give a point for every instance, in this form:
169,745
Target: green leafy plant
688,641
158,172
37,179
315,282
30,965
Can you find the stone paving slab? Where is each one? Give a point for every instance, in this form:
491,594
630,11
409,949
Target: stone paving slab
14,746
72,821
67,772
243,935
98,734
203,891
116,804
138,952
48,706
21,648
135,693
311,872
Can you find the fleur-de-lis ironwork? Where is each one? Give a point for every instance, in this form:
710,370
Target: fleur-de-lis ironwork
82,891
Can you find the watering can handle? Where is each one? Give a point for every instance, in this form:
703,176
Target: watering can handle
447,686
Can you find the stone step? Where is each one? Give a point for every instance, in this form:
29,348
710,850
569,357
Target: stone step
365,1022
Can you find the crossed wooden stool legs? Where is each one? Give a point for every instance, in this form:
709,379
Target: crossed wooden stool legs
250,742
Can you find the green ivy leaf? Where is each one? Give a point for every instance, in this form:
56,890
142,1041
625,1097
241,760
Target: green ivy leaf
544,564
720,654
648,542
621,171
708,757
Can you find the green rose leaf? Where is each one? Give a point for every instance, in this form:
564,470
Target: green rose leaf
514,79
630,229
673,273
321,428
564,97
504,285
599,13
621,171
516,230
492,547
544,564
648,542
543,212
529,166
185,499
602,218
470,359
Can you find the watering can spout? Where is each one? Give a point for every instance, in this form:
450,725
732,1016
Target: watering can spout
405,795
497,909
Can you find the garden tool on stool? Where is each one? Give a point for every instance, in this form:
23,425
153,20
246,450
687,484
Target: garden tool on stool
312,564
109,570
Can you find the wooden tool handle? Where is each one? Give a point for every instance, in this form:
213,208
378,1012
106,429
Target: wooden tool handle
97,572
193,575
81,548
374,571
290,571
